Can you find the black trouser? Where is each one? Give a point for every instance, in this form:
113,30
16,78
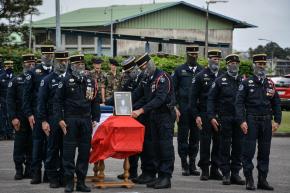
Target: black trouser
147,155
162,128
39,145
79,134
230,146
208,155
188,133
259,128
22,152
5,124
53,162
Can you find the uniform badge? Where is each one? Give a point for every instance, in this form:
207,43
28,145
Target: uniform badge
38,71
28,77
71,80
205,75
241,87
162,79
213,85
250,81
60,85
251,90
10,84
42,83
53,81
19,78
153,87
89,80
224,79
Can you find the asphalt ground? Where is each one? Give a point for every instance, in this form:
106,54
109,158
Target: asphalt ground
279,175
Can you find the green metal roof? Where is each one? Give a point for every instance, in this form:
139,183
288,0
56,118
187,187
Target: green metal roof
101,16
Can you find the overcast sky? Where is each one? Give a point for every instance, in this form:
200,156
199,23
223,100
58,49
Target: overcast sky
271,16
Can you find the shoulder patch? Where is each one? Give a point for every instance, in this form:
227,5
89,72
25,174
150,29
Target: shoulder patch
162,79
28,77
42,83
10,84
241,87
60,84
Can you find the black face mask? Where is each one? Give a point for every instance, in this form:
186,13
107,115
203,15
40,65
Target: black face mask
78,70
9,71
59,68
191,61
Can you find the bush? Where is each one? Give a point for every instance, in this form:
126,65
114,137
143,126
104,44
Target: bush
166,62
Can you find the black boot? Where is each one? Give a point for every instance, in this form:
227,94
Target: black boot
36,177
152,184
250,182
145,178
263,184
54,183
192,168
215,174
236,179
19,173
162,183
204,174
81,186
226,180
185,167
69,187
45,178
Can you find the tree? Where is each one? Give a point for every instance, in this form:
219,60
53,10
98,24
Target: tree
12,15
269,49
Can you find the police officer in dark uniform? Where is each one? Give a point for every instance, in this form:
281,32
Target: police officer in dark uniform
258,113
77,111
159,105
130,79
5,78
201,85
23,135
48,86
220,109
188,133
31,88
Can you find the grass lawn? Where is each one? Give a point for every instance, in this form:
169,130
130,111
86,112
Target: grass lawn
285,125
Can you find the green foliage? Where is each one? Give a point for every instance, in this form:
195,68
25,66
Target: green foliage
12,15
165,62
271,48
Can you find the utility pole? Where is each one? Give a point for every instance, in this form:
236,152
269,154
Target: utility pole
206,22
112,43
57,22
30,32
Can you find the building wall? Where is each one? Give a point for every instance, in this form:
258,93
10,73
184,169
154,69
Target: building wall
126,47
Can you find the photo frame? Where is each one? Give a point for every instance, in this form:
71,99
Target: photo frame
123,103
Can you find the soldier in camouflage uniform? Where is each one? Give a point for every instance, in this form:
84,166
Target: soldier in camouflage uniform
100,77
113,79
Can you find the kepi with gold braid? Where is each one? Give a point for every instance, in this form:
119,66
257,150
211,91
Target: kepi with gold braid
28,58
259,58
194,49
47,49
141,61
77,58
128,64
214,53
61,55
232,58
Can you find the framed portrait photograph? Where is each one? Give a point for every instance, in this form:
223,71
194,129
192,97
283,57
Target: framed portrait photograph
123,103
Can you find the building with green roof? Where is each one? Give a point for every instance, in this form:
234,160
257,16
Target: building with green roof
165,27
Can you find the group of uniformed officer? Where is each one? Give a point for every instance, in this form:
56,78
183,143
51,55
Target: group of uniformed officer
54,105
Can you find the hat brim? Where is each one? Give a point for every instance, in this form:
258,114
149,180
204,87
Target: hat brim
47,52
62,58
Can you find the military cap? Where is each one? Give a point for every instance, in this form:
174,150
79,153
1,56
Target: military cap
77,58
129,63
215,53
113,61
28,58
97,61
61,55
259,58
47,49
141,61
8,63
192,49
232,58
